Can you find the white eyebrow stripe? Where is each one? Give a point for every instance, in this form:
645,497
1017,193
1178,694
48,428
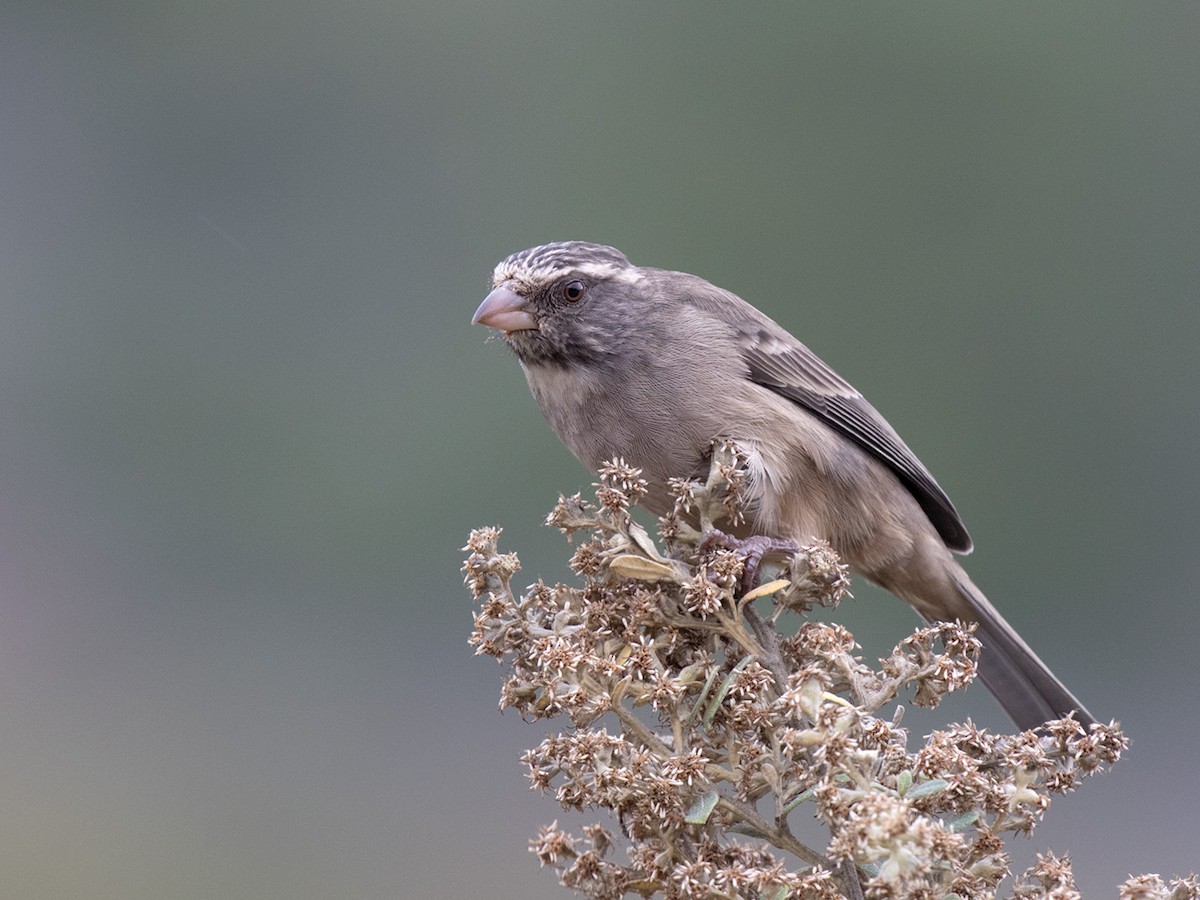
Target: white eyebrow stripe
628,274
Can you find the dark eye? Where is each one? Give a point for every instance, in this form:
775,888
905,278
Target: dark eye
573,291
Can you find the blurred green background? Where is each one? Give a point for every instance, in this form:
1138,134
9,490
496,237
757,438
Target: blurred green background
246,425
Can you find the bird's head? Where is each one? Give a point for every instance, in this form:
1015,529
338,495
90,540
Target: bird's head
562,304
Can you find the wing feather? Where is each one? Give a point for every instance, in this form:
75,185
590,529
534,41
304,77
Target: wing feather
784,365
779,362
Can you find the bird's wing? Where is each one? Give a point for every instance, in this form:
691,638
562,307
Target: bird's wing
777,361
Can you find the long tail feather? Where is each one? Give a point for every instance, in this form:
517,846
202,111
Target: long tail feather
1022,683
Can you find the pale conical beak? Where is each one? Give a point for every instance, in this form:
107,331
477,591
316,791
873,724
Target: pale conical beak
505,310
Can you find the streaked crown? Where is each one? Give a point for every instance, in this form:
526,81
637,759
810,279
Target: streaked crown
537,264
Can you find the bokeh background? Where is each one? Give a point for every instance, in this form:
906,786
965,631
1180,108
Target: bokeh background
245,426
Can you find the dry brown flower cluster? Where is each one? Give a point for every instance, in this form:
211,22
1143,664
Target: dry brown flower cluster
702,729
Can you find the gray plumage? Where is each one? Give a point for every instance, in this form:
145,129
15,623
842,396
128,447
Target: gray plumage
653,365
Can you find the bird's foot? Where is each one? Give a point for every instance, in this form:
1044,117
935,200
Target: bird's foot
752,549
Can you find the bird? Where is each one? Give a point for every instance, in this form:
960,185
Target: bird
652,366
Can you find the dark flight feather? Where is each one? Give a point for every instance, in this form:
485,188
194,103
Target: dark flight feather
795,372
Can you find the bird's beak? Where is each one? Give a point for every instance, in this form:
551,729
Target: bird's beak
506,310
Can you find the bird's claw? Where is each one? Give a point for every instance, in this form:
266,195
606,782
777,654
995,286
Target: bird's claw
752,549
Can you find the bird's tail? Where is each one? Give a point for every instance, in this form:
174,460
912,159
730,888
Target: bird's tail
1022,684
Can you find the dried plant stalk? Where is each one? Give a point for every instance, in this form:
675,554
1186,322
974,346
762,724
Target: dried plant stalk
702,729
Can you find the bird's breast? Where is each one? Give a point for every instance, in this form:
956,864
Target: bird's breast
601,416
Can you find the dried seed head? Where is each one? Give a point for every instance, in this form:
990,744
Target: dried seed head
683,714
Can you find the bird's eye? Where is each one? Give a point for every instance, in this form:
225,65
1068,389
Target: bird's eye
573,291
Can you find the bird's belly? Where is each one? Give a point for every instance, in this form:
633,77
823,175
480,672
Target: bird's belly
804,481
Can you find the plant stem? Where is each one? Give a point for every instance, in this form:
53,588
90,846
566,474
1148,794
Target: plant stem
781,839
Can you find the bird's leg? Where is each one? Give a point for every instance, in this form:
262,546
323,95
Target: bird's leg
752,549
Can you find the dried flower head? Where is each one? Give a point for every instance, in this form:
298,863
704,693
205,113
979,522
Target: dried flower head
1152,887
703,731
